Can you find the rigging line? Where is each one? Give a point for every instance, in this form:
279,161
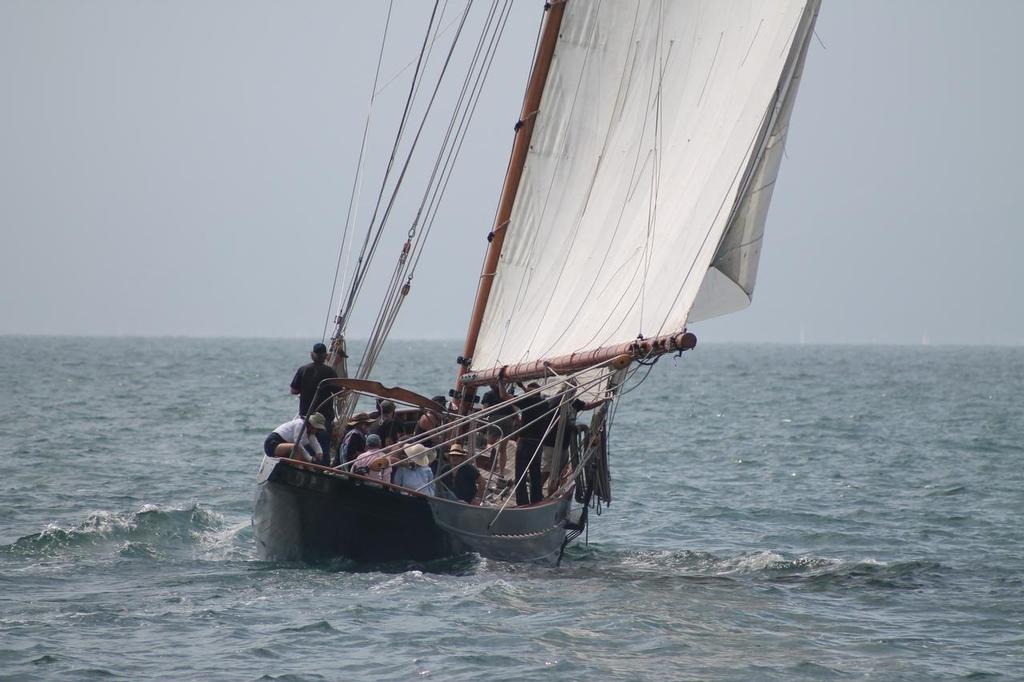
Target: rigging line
536,45
395,296
477,422
430,48
477,425
468,117
352,200
437,35
412,149
359,270
508,164
389,290
424,58
481,79
420,239
478,416
417,78
455,118
650,367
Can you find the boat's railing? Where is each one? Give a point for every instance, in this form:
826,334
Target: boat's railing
465,428
475,423
335,471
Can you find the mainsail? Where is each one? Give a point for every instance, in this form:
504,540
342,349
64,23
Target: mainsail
645,189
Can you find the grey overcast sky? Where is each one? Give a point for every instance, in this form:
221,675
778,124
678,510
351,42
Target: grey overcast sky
183,168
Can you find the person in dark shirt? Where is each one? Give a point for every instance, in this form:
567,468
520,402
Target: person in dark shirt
533,410
354,443
503,417
306,385
466,482
549,477
388,428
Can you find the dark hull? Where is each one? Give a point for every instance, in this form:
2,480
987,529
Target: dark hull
303,513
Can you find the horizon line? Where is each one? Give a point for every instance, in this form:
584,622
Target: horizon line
230,337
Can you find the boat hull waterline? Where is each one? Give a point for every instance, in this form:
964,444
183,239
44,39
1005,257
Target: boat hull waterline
311,514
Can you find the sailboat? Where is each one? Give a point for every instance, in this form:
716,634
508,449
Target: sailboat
634,204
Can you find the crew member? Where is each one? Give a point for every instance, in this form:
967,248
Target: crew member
306,385
282,441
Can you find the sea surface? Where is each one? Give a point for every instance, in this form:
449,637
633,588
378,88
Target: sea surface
779,513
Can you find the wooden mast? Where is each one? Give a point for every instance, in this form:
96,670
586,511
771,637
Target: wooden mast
520,149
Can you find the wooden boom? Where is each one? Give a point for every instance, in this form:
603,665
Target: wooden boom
563,364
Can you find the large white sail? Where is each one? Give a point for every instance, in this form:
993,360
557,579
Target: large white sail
659,127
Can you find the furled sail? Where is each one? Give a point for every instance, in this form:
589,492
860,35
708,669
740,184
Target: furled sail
657,140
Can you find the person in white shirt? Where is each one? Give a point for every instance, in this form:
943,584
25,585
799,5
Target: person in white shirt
281,441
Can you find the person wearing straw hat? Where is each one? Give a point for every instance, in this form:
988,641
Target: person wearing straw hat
465,480
414,471
282,441
354,443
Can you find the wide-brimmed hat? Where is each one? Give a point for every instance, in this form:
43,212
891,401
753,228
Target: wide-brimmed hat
361,418
316,421
420,455
457,450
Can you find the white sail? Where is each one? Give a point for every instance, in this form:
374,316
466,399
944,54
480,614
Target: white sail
656,122
728,285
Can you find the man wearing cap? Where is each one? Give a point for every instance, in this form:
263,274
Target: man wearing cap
388,428
354,443
306,385
414,471
373,463
282,441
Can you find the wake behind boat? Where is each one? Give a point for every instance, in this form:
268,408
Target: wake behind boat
642,167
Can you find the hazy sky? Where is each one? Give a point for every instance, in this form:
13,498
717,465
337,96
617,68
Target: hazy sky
183,168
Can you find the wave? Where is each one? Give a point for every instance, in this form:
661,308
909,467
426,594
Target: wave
147,533
813,572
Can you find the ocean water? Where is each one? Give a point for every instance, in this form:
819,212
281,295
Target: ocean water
779,513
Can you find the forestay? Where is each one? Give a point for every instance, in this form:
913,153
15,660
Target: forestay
658,138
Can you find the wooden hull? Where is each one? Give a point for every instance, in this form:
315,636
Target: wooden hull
303,513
